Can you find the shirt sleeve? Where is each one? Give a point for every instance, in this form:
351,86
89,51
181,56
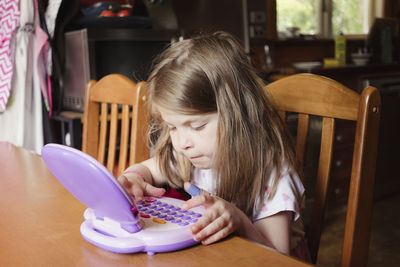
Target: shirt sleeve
288,197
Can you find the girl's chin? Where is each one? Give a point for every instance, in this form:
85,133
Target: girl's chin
201,165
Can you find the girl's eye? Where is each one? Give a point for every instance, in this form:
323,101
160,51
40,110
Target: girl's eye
171,128
198,128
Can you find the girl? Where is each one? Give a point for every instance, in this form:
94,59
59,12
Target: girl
216,128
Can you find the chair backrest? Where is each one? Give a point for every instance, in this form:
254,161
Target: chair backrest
309,95
116,119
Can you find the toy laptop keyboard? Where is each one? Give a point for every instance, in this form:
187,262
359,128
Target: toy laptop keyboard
112,220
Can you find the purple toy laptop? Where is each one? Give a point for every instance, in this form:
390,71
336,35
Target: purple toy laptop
113,221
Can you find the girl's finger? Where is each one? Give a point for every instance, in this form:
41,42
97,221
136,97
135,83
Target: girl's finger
205,221
151,190
137,192
124,182
224,232
211,229
199,197
202,200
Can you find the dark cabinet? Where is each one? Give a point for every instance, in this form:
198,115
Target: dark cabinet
93,53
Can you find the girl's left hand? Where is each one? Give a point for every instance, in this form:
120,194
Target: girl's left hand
221,218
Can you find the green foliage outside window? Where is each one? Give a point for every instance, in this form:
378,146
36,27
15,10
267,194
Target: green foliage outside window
297,13
348,16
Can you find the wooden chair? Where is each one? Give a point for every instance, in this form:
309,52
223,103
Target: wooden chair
308,94
116,117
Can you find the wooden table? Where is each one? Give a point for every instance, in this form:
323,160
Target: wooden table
40,220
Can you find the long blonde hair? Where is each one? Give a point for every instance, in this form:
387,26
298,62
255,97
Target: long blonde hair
211,73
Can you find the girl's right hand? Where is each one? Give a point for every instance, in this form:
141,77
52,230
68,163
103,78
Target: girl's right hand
220,219
136,187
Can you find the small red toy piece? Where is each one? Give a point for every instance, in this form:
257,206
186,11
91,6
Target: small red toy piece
107,13
124,13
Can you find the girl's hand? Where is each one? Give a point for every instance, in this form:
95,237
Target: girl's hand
138,188
221,218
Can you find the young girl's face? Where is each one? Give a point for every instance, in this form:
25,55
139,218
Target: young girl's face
194,136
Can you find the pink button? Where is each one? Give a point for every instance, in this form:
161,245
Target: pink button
144,215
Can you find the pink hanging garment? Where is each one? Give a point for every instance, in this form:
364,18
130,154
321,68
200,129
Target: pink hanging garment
42,48
9,21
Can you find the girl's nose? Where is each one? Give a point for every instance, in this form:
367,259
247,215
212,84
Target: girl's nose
185,141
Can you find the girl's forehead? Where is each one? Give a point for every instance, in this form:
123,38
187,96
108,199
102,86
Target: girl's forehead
174,117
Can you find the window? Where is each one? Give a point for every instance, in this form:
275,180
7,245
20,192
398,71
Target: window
301,14
350,16
326,18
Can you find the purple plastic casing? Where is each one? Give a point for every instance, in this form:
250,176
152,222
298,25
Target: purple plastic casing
94,185
91,183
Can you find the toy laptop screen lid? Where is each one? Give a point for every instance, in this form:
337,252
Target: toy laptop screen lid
113,221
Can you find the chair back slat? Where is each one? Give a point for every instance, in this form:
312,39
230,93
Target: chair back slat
103,133
90,127
321,185
139,148
302,134
124,143
112,139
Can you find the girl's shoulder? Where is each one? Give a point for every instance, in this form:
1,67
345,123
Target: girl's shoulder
288,179
287,196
